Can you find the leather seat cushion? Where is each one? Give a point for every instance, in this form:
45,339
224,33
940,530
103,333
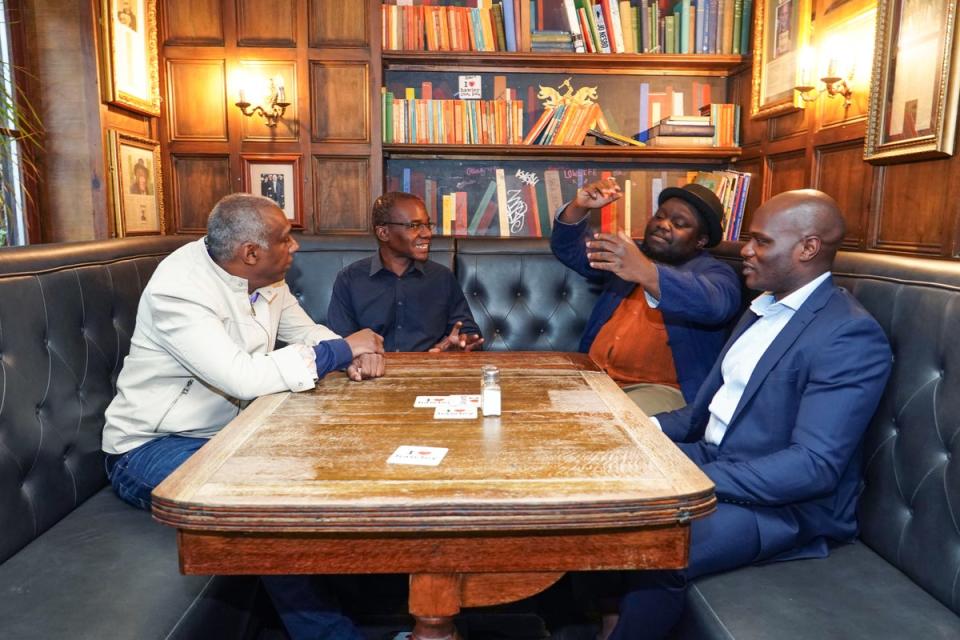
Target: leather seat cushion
108,570
854,593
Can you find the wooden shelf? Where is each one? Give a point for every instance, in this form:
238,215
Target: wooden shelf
655,64
605,153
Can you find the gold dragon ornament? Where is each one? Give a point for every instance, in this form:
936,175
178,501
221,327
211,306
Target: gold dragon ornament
553,98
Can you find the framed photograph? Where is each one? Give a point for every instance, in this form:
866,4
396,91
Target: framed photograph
913,95
781,33
131,77
136,184
276,177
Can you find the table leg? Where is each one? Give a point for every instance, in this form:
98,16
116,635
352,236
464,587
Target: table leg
434,601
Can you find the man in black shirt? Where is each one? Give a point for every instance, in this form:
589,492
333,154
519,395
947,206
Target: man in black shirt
415,304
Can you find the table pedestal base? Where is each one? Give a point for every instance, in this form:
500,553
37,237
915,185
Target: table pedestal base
435,598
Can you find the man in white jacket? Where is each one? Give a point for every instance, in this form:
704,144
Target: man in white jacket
203,348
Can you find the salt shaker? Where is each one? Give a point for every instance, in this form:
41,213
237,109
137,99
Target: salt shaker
490,390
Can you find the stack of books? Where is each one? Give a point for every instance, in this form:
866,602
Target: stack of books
731,187
726,121
551,41
566,124
681,131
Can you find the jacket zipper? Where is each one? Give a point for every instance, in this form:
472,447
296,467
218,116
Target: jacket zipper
183,392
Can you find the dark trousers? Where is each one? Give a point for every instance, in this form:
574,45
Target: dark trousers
306,605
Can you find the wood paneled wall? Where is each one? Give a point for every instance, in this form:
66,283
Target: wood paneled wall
904,208
327,52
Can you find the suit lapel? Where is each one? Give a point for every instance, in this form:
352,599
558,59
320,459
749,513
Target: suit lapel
782,343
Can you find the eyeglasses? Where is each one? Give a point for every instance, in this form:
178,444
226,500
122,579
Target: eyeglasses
413,226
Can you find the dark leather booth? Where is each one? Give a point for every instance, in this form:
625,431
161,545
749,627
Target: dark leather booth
76,562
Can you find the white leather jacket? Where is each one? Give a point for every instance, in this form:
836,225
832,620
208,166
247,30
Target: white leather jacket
201,350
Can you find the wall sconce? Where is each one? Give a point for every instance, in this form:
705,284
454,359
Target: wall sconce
275,101
834,82
832,86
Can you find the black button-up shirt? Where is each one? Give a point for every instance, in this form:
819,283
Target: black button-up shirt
412,312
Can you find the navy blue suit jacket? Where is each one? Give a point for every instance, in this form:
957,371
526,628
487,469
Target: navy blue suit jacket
791,450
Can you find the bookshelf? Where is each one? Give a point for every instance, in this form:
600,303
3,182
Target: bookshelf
633,155
457,180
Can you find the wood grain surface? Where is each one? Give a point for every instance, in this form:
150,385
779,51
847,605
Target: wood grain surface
571,477
570,451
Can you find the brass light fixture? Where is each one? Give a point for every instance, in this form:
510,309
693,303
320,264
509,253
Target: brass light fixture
273,106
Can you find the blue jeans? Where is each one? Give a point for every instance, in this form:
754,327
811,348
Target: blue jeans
306,605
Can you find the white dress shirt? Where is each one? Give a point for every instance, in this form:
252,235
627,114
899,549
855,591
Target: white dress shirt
744,354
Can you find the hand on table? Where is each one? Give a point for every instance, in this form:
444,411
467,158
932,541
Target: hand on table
457,341
367,366
365,341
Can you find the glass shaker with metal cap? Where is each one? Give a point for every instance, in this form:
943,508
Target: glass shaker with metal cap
490,390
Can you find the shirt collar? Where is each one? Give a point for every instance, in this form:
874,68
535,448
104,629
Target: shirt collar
236,283
765,303
376,265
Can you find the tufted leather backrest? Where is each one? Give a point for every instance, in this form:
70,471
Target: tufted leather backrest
909,511
66,317
522,297
320,259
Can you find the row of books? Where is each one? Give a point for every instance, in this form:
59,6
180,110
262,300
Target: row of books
428,121
731,187
566,124
495,201
660,26
429,27
717,125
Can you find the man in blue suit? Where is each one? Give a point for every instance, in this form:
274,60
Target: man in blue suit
778,421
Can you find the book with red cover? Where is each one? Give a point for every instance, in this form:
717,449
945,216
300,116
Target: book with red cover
607,213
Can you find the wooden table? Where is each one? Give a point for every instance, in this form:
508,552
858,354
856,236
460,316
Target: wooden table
571,477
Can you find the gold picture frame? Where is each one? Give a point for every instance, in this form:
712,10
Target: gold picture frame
781,33
131,76
136,184
913,115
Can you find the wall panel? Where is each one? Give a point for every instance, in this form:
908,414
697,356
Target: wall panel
198,182
340,101
338,24
785,172
192,22
196,100
267,24
910,217
841,173
341,193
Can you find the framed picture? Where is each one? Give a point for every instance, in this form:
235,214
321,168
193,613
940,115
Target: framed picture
830,13
781,34
913,96
276,177
137,185
131,77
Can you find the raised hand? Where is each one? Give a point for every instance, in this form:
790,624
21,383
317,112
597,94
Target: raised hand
369,365
619,254
592,196
457,341
598,194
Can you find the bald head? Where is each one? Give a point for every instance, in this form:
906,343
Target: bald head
794,237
